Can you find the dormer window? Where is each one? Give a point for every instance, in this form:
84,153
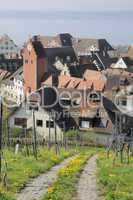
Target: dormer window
124,102
124,82
94,97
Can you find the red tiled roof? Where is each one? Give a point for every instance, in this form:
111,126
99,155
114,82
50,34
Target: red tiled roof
92,75
63,81
74,82
97,78
68,82
4,73
85,85
98,86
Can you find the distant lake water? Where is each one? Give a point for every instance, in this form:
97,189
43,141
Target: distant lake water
116,27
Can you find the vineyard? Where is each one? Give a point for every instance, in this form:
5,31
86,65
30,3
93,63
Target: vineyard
63,172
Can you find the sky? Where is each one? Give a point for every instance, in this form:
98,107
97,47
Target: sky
71,5
38,17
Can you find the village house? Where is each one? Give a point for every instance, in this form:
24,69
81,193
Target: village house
44,123
62,54
81,97
41,59
118,82
56,62
93,53
82,117
84,46
10,58
12,88
11,65
8,49
46,64
127,57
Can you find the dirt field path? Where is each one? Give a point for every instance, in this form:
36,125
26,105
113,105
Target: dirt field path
87,187
37,187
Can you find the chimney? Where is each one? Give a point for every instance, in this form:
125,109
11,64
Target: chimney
35,38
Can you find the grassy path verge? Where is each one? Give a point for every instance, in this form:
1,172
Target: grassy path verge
65,186
87,188
116,180
22,168
37,187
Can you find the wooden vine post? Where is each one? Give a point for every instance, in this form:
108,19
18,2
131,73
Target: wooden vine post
0,138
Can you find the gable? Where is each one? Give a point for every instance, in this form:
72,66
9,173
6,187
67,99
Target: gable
120,64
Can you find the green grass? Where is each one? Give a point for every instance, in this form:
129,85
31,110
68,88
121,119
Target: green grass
5,197
22,168
65,186
116,181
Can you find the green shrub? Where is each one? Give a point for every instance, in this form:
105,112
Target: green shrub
72,134
16,131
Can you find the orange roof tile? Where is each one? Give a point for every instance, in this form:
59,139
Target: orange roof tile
98,86
68,82
85,85
63,81
91,75
4,73
74,82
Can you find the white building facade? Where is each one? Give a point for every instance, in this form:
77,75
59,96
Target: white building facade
8,48
44,124
13,91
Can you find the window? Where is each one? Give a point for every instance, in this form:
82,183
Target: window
85,123
20,121
39,123
65,102
94,97
49,124
124,102
35,108
31,61
26,61
122,82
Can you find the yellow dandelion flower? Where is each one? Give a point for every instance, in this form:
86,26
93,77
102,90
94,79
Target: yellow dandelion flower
50,190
